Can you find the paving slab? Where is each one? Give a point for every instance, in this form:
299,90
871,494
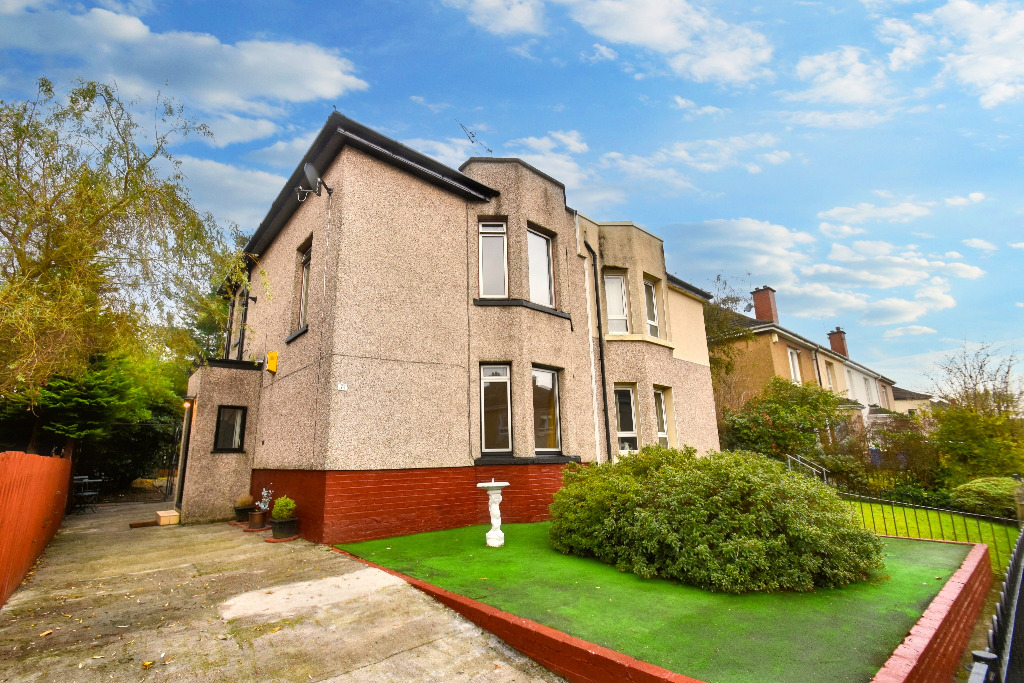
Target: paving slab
213,603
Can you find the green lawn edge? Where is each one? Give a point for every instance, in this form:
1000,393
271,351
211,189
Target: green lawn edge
836,635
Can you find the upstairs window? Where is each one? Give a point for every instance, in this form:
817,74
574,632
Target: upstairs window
618,307
304,287
867,391
546,433
794,365
651,297
830,375
495,409
230,431
625,419
493,261
542,289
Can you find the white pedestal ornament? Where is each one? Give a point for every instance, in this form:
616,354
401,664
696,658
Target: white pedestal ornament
495,537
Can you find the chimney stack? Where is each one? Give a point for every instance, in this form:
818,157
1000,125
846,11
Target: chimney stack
837,340
764,305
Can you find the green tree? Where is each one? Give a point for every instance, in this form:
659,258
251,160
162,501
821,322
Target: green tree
99,240
905,450
972,444
724,329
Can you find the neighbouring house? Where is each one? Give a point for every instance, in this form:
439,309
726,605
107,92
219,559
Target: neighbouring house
412,330
911,402
777,351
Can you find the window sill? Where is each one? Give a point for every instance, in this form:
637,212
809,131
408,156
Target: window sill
640,337
296,334
509,459
525,304
228,450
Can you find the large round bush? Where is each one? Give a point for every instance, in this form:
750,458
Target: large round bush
732,522
987,496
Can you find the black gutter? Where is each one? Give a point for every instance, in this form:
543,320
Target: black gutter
600,342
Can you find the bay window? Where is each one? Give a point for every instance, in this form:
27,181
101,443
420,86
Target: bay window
493,261
495,409
542,289
546,432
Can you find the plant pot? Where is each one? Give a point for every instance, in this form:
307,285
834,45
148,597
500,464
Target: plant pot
258,519
284,528
242,514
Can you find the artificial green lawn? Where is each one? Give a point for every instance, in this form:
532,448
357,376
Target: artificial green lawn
897,520
828,635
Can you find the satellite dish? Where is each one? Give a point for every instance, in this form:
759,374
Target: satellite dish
315,182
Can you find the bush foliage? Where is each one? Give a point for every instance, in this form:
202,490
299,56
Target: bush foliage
987,496
284,508
730,522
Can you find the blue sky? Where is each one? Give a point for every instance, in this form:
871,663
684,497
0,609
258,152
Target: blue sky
862,157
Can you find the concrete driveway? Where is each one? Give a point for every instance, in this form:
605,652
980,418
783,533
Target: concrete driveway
211,603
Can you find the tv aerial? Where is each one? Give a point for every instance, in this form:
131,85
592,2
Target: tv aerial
472,137
315,182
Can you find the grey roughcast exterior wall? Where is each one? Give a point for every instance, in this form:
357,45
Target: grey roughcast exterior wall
370,303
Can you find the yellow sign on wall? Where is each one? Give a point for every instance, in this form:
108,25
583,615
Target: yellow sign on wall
272,361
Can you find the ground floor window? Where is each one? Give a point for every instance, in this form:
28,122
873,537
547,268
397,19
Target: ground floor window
547,436
625,419
495,409
661,414
230,432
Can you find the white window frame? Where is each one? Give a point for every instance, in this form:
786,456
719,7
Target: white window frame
867,390
661,416
794,364
625,302
492,229
558,413
653,328
830,374
635,434
883,393
852,385
549,267
507,381
307,256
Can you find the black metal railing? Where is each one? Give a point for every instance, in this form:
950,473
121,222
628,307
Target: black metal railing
1003,660
905,520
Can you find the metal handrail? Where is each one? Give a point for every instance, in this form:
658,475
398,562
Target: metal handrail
814,468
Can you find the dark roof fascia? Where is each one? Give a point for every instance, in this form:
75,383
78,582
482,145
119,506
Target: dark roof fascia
513,160
772,327
696,291
340,131
901,394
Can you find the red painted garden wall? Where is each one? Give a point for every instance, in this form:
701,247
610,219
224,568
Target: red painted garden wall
33,490
359,505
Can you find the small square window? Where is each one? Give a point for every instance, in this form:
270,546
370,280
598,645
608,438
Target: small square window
230,432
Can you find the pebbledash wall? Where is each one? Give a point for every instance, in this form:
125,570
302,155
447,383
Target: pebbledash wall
372,419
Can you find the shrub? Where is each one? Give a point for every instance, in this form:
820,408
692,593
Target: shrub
731,522
244,501
909,492
987,496
284,508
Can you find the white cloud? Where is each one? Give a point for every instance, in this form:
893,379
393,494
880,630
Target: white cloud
524,49
864,212
1019,304
432,106
988,56
839,231
972,198
683,103
601,53
909,330
572,140
1017,245
229,192
978,243
228,129
775,157
722,153
503,16
911,46
450,151
841,77
647,169
835,119
285,153
252,77
882,265
693,110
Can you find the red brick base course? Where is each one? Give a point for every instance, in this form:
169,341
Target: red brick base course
932,650
345,506
572,658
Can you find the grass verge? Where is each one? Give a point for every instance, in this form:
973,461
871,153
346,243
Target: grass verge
834,635
911,522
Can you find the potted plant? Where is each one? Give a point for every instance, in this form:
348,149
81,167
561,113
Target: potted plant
283,523
243,506
258,517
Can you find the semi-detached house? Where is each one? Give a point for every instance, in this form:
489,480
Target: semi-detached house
420,329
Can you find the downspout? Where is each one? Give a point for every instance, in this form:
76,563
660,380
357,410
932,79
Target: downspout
600,342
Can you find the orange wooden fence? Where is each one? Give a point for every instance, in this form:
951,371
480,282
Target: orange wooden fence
33,490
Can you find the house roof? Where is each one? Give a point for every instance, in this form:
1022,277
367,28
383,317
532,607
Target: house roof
687,287
339,131
900,394
514,160
760,326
